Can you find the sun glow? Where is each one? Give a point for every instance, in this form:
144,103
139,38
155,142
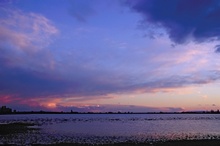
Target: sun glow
51,105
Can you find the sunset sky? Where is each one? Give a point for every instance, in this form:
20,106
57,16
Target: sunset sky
110,55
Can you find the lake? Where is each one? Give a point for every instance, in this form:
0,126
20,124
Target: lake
109,128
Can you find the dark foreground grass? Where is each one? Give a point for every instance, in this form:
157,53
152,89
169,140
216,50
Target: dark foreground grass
12,128
168,143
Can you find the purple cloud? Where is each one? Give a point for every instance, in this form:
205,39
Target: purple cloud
183,19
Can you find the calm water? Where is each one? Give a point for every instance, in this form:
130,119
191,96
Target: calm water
104,128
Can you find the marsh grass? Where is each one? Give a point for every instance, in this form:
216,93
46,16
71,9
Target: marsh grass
19,127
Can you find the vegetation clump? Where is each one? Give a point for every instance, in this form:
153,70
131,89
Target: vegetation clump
19,127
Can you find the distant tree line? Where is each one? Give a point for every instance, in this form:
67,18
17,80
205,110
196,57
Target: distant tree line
6,110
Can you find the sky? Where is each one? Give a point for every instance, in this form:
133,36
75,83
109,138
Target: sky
110,55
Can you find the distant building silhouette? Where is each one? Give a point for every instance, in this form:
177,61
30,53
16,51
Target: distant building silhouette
5,110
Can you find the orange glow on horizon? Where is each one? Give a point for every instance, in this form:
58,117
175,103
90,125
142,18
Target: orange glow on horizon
51,105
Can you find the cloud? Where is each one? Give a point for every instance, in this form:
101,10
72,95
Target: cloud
184,20
24,38
27,32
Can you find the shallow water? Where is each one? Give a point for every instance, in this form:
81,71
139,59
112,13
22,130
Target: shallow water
108,128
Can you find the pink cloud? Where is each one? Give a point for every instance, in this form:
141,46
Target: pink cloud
29,32
25,38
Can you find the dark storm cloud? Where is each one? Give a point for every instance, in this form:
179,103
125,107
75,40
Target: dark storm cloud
182,19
